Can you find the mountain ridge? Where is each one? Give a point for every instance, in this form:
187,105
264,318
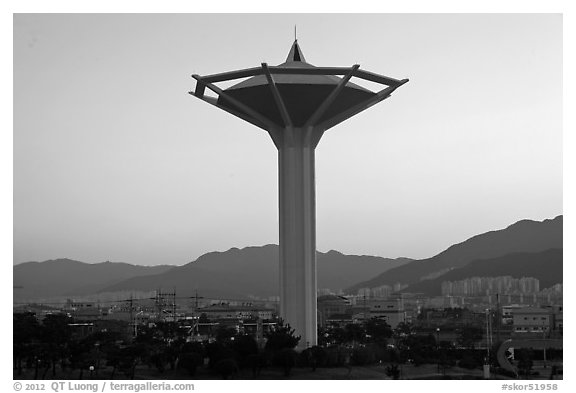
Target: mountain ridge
252,270
546,266
521,236
66,276
69,260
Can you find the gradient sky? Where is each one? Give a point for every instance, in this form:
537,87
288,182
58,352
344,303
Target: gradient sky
113,160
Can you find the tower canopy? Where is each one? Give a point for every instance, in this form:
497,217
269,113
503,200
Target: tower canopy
302,93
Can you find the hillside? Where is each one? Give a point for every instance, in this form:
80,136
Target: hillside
522,236
61,277
546,266
254,271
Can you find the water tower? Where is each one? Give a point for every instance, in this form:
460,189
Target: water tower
296,102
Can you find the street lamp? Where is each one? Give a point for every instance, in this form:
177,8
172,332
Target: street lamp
544,344
438,348
97,346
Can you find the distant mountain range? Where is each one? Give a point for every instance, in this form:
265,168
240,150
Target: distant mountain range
524,236
235,273
63,277
546,266
522,249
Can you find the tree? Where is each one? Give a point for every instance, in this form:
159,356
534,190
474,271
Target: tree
470,361
354,332
217,351
81,356
525,362
333,335
113,358
393,371
379,330
26,330
191,356
56,329
363,355
157,355
26,327
469,335
195,347
286,359
257,362
101,344
226,368
282,337
420,349
224,334
244,345
129,358
190,361
55,333
314,356
403,329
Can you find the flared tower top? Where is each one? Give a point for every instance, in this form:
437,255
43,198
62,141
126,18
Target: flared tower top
295,93
302,93
296,59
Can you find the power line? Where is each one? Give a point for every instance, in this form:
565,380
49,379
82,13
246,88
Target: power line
40,303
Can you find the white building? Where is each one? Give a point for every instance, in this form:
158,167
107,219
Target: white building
392,311
532,320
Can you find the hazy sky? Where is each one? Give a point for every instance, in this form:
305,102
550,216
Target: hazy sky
113,160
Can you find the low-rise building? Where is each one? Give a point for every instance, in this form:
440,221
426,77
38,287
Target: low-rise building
558,320
508,313
392,311
527,320
226,311
333,307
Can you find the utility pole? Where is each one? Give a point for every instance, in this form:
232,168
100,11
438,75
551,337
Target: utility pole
196,316
131,311
488,332
486,366
162,304
438,349
196,297
157,304
547,322
498,318
174,304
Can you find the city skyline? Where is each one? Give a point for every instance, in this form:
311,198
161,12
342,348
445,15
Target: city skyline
111,167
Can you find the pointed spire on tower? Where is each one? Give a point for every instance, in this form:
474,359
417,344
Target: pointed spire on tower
295,53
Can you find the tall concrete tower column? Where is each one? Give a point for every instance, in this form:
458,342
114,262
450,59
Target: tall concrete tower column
297,213
296,102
